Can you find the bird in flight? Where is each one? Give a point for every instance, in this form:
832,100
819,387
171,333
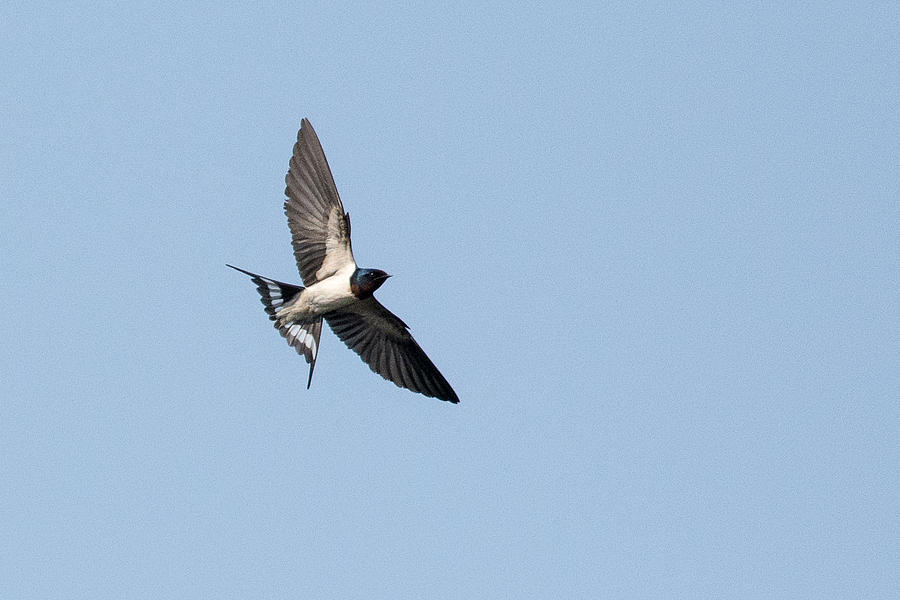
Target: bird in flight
336,289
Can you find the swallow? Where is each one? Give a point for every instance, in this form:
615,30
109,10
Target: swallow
334,287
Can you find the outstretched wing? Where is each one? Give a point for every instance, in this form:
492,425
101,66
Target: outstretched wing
320,228
383,341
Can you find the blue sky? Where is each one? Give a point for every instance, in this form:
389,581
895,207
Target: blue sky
654,249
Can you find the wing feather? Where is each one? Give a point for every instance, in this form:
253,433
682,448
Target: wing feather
383,342
320,229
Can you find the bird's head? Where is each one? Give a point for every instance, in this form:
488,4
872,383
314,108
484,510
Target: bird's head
364,282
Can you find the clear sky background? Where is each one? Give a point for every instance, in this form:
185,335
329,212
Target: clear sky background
655,251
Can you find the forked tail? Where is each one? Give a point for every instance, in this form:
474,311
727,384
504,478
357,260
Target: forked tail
303,337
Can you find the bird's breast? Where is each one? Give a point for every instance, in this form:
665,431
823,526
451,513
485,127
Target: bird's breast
320,298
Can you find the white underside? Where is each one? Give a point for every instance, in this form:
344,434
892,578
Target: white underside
321,297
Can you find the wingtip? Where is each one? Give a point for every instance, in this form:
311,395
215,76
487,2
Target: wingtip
450,397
